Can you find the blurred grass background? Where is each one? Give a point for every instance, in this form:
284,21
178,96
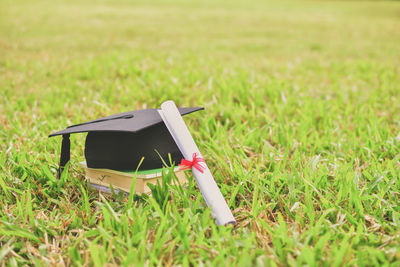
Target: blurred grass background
301,128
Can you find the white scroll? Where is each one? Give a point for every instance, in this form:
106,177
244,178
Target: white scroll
209,188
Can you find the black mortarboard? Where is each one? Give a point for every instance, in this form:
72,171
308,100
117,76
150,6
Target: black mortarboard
120,141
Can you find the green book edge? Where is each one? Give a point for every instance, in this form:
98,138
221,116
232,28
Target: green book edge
144,171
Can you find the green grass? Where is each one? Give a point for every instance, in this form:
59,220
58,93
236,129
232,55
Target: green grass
301,130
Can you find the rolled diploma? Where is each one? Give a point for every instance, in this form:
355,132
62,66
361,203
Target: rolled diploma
209,188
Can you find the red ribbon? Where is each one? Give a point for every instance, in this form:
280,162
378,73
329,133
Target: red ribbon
195,163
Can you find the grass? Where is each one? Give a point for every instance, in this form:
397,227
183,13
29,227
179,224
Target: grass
301,130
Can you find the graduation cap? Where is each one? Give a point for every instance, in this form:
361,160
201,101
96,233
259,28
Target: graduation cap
119,142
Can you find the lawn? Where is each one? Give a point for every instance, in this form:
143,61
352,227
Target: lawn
301,130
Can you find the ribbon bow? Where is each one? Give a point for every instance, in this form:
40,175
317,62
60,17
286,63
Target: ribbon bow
195,163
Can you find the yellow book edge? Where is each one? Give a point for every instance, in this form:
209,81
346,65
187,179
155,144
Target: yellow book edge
123,181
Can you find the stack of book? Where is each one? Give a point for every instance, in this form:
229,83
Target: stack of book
122,180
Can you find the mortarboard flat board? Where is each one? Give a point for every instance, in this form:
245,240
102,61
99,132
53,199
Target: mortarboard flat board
119,142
